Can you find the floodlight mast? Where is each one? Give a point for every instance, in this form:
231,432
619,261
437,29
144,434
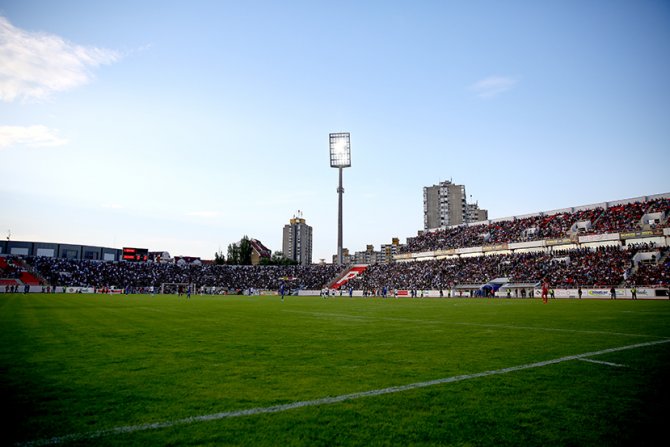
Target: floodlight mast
340,157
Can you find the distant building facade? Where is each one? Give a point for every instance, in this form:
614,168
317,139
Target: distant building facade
259,252
60,251
445,204
476,214
346,257
383,256
297,240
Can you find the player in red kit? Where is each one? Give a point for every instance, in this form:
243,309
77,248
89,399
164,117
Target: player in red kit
545,291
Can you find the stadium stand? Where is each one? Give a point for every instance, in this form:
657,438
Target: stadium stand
140,275
624,217
624,243
29,279
600,267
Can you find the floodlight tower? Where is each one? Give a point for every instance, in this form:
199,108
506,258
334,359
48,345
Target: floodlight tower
340,157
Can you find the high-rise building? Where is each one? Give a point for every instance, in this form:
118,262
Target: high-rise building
297,240
445,204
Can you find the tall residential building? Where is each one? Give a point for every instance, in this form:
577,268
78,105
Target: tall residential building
445,204
297,241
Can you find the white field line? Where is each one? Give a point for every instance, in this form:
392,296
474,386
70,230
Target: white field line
600,362
323,401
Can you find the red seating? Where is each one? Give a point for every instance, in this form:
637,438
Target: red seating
348,275
29,278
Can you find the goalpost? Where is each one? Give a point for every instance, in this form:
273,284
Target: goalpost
173,288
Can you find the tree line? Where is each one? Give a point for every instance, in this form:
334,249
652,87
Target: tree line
239,253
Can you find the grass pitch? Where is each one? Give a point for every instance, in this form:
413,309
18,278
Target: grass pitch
164,370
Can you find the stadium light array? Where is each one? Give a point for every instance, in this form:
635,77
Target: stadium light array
340,157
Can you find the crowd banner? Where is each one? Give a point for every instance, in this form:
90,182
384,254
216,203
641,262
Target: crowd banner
465,250
424,254
642,234
530,244
495,247
562,241
599,238
446,252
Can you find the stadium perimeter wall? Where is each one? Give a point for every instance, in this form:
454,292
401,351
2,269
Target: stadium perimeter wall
621,293
645,293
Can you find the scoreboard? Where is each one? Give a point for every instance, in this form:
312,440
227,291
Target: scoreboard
135,254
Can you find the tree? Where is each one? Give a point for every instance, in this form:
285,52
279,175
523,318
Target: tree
278,258
245,250
233,254
219,258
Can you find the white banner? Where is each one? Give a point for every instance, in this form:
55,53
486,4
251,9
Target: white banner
531,244
424,254
469,250
599,237
80,290
625,293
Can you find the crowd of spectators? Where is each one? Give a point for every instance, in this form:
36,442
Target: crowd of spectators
605,266
652,272
625,217
601,267
82,273
8,269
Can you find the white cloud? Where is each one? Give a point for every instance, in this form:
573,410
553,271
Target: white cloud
35,65
31,136
493,86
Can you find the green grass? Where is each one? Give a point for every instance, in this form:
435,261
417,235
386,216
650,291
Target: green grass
82,364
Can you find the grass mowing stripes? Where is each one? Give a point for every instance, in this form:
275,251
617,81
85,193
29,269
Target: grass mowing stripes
89,363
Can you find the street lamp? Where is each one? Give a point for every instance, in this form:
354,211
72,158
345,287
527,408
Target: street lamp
340,157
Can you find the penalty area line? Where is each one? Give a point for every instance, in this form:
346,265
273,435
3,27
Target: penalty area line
323,401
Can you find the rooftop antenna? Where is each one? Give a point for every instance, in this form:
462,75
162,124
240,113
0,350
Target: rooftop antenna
9,235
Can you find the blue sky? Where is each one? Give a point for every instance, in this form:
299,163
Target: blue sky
183,126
